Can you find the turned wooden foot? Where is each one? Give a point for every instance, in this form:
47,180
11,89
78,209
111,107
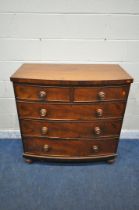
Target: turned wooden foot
28,160
110,161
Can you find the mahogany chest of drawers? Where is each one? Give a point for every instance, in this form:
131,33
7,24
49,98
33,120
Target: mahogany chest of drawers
70,112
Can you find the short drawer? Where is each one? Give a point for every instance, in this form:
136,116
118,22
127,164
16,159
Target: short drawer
61,111
51,129
70,148
100,93
41,93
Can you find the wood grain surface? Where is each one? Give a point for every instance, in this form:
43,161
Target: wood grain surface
61,74
60,111
69,148
64,129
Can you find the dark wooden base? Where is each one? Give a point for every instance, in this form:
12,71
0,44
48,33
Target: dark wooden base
29,158
110,161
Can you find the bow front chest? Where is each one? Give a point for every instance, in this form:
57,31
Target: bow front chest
70,112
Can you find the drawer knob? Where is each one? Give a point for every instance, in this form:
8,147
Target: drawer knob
95,148
44,130
46,147
42,94
43,112
99,112
97,130
101,95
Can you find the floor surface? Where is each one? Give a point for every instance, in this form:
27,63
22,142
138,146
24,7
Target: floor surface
51,186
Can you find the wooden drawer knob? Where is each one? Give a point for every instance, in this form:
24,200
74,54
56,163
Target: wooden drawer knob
99,112
95,148
42,94
46,147
97,130
44,130
43,112
101,95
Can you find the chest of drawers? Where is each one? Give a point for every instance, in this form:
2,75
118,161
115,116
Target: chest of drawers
70,112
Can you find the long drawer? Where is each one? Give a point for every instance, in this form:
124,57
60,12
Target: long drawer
69,148
80,130
69,111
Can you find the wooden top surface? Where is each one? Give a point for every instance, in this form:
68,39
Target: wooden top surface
56,74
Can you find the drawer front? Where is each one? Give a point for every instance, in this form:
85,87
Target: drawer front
71,129
70,148
71,111
41,93
101,93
